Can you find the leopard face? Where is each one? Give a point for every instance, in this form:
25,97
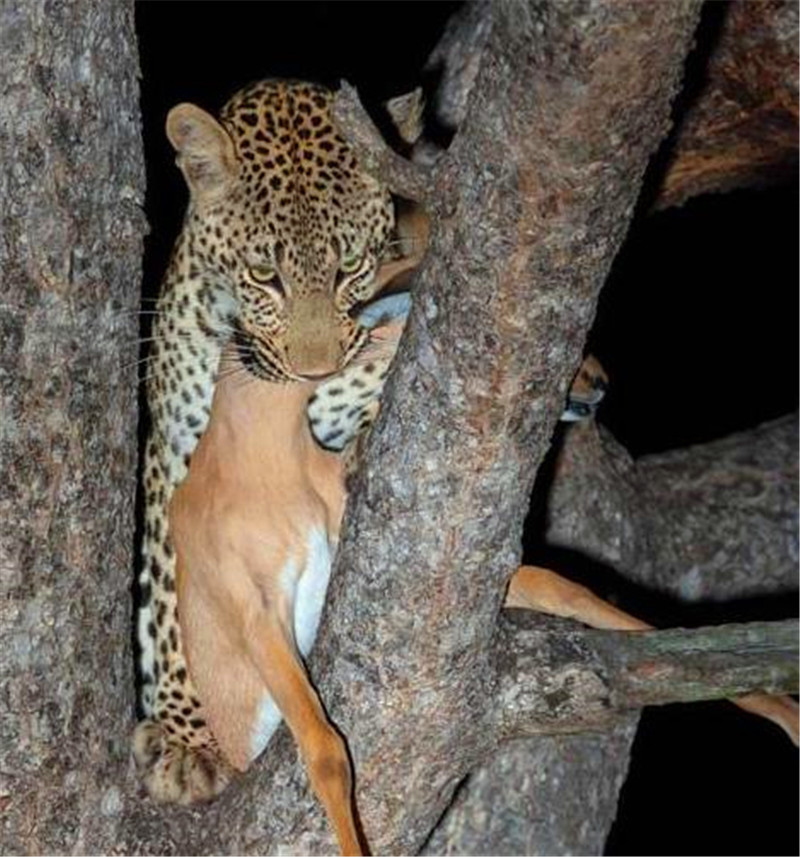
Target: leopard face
284,220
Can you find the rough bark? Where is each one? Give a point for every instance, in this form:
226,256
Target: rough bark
581,680
71,231
740,128
544,795
712,522
455,62
551,794
400,175
716,521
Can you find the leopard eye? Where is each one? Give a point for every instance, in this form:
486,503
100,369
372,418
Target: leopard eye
262,274
349,264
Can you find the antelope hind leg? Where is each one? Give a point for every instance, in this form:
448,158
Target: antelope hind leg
322,748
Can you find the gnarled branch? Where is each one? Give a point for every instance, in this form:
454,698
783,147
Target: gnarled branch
726,511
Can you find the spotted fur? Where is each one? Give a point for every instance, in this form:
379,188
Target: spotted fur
283,243
343,409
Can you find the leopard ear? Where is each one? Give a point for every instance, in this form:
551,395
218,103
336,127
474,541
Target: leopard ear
406,114
206,154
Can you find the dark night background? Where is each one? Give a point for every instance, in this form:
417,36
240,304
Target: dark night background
697,328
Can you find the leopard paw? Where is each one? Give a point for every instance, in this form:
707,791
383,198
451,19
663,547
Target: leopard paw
176,772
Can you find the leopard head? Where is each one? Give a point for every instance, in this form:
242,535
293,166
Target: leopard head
282,217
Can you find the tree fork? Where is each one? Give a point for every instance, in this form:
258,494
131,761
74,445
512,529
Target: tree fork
530,205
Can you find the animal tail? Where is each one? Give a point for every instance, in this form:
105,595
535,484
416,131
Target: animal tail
176,772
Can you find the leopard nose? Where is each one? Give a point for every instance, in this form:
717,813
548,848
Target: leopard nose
315,360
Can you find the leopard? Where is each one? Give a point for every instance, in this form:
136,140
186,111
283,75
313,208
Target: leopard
285,241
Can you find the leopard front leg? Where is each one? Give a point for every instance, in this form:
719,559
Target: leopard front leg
173,747
174,750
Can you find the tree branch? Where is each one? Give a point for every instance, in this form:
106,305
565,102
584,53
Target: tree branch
530,796
552,681
726,511
741,128
721,662
456,60
401,176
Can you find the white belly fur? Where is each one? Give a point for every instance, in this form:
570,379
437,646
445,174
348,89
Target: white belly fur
307,593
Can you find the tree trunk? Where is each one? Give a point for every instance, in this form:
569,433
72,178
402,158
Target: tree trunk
71,231
530,208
